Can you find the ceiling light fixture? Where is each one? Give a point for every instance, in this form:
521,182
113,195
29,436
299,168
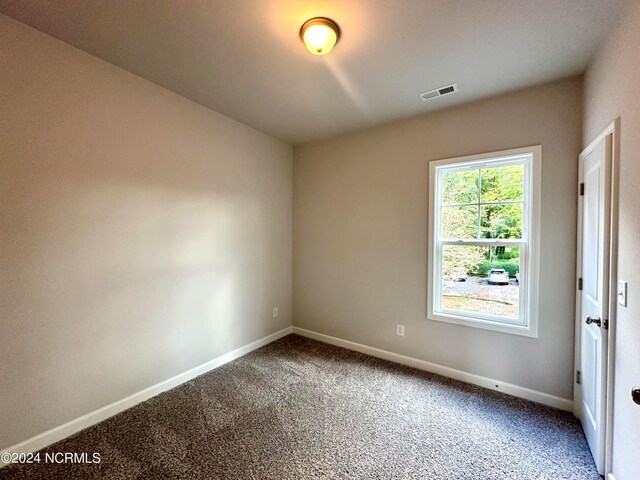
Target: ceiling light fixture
319,35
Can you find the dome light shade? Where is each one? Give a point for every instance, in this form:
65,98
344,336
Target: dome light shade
319,35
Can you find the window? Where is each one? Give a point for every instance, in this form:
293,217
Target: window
483,240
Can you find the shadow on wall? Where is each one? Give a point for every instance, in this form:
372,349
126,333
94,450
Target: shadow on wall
141,234
100,276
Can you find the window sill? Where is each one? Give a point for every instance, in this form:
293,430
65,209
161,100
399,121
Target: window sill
523,330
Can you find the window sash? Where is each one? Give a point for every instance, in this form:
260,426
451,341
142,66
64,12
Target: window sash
524,159
522,243
480,204
484,242
521,321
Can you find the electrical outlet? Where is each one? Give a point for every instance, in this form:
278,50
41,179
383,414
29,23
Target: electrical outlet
275,312
622,293
400,330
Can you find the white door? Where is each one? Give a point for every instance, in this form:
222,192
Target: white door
593,299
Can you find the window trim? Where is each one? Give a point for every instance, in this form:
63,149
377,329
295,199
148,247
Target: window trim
530,244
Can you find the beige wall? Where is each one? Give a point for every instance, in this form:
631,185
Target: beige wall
360,234
140,234
612,89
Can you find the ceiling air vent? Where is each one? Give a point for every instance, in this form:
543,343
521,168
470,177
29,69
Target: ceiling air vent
438,92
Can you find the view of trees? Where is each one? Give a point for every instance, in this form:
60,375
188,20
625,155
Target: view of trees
474,260
482,203
502,184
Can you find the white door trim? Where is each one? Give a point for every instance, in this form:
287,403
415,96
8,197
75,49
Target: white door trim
612,129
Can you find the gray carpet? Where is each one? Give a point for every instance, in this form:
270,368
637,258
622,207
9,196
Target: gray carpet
300,409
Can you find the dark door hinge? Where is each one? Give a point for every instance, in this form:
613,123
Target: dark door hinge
578,377
582,189
579,284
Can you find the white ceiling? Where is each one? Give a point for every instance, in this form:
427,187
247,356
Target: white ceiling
244,58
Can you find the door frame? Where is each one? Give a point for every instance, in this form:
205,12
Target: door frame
612,129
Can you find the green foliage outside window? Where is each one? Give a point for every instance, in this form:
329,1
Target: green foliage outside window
469,211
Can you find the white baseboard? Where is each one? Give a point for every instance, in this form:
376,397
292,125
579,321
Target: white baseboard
508,388
56,434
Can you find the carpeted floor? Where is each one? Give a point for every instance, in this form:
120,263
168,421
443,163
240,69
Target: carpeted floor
300,409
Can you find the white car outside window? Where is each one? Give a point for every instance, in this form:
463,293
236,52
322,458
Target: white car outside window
498,276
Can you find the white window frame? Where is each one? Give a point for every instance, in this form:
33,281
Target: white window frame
527,324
